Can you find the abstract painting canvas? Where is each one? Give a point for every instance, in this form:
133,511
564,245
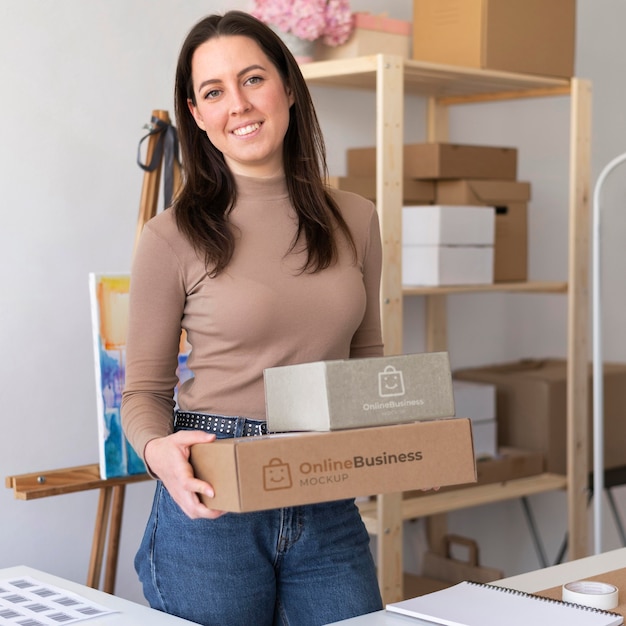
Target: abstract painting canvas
109,295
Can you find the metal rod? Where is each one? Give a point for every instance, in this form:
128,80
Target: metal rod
598,374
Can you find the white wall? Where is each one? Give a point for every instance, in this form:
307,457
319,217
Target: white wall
79,81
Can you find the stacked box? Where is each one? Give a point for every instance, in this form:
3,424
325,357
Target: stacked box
527,36
413,191
531,408
447,245
292,469
352,393
469,175
434,160
510,200
378,432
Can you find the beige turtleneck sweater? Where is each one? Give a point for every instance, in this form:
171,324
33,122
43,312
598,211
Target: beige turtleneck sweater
260,312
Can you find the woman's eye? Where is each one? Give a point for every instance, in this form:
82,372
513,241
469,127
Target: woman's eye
254,80
213,93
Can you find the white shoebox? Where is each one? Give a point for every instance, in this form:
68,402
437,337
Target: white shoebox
485,436
447,244
442,224
474,400
478,402
447,265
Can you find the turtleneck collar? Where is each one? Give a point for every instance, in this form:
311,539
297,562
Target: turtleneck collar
273,187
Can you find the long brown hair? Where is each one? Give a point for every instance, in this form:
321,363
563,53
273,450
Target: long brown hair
209,190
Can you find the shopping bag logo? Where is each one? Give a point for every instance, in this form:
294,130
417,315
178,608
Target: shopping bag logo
390,382
276,475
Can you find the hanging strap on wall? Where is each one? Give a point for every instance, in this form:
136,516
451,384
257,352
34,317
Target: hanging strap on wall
166,150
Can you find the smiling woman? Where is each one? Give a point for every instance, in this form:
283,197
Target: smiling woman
262,265
242,105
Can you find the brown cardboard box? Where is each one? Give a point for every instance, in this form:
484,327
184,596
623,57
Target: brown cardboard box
413,191
527,36
372,34
442,160
509,464
510,252
351,393
481,192
531,408
510,200
255,473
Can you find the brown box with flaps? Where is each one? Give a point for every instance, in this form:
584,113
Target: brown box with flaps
434,160
510,199
526,36
278,470
413,191
508,464
531,408
351,393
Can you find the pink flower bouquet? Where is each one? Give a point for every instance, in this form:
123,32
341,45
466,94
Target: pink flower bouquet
330,20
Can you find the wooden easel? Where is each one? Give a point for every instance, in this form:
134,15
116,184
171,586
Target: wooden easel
152,178
87,477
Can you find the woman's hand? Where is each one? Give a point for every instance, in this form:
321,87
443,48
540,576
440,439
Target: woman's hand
168,458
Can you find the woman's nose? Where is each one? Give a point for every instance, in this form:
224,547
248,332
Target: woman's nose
239,103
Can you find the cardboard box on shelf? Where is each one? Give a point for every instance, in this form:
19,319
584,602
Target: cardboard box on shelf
511,231
508,464
481,192
442,160
526,36
413,191
440,224
373,34
255,473
510,250
351,393
430,266
531,408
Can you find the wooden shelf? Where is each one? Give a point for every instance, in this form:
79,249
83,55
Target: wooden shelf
434,503
432,79
521,287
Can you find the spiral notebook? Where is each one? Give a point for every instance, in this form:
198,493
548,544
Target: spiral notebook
479,604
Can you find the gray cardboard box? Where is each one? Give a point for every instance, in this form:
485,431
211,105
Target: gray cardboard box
354,393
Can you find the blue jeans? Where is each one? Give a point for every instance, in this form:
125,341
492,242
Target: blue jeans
298,566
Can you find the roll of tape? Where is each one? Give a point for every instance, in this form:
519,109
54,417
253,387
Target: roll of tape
590,593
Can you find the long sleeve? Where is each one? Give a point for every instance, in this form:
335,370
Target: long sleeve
367,341
157,298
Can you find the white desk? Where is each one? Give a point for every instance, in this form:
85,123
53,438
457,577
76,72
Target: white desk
530,582
130,613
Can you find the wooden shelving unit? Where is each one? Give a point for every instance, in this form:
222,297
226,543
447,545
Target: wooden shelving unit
391,78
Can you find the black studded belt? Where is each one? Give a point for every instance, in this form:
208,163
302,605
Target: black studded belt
221,425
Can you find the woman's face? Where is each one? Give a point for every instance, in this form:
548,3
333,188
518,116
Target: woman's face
241,103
